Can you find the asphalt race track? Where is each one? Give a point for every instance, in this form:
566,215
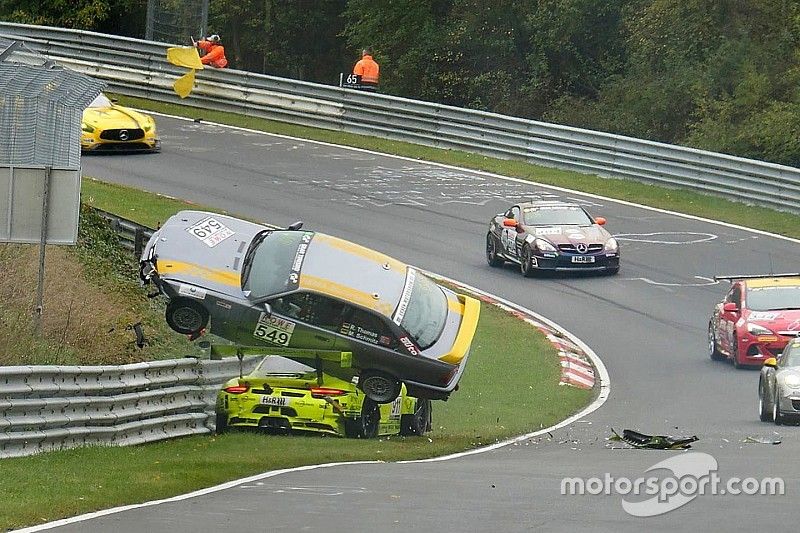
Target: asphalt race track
648,324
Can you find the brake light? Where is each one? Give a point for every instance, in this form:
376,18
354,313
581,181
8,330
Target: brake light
319,392
237,389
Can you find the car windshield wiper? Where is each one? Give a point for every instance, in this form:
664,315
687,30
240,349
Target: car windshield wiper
251,250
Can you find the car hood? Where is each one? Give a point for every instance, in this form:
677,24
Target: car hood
186,252
114,117
570,234
786,321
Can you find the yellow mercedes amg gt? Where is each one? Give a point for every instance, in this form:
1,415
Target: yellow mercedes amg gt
107,126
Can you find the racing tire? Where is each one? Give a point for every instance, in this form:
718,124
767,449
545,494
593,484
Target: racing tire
777,417
764,408
366,425
222,424
186,316
525,262
491,252
713,352
419,422
378,386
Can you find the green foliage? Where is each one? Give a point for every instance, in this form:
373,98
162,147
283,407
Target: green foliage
81,14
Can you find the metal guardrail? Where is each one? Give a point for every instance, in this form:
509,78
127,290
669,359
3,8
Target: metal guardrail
53,407
139,68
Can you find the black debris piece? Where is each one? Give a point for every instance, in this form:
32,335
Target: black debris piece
653,442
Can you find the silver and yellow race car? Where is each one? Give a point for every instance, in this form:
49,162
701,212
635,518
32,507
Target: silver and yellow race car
303,289
108,126
286,395
779,386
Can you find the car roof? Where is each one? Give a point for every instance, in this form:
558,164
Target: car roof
351,272
758,283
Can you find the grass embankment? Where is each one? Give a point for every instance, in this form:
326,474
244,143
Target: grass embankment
511,387
679,200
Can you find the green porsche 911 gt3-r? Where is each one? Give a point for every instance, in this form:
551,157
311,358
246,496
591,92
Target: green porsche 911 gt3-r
282,395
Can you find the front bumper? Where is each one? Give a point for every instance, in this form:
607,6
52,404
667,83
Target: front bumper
93,143
565,262
755,349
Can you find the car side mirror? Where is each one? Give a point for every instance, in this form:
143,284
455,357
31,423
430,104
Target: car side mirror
771,362
295,226
600,221
509,223
268,309
730,307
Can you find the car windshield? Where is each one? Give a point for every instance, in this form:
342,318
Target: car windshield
556,216
426,313
272,263
773,298
100,101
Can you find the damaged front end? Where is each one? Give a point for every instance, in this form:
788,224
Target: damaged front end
147,267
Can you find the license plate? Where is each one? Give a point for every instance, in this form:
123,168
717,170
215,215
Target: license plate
277,401
583,259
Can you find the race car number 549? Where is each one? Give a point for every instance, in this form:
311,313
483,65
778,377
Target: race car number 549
273,329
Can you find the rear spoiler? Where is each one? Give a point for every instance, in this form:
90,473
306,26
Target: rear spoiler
758,276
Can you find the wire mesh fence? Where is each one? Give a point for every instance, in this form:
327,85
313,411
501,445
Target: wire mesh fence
41,106
176,21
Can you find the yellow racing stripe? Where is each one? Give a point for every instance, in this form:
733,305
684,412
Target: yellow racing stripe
171,267
360,251
343,292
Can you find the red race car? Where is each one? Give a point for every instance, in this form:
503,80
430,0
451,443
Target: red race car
758,317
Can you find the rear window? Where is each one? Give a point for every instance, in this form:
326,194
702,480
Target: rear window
273,261
425,314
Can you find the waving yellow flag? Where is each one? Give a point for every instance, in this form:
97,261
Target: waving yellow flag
184,56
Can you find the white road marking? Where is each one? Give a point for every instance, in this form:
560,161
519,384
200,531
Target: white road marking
705,282
691,237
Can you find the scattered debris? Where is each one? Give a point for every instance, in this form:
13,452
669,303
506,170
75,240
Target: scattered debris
653,442
141,341
760,440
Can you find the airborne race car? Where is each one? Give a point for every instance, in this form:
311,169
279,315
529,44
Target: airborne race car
551,236
756,320
304,289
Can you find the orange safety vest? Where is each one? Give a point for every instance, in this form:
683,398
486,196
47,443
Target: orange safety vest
368,69
215,54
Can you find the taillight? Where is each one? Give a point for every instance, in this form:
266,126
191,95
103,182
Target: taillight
320,392
237,389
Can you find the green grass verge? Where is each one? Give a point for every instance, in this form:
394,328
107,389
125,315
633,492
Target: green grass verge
511,386
680,200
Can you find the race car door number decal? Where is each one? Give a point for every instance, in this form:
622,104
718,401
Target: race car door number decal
210,231
396,406
278,401
273,329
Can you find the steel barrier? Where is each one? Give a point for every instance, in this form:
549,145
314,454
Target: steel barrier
46,408
139,68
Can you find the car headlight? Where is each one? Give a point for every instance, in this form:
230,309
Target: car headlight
792,381
544,246
612,245
87,128
755,329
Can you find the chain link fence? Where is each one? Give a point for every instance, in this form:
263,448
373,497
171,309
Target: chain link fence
175,21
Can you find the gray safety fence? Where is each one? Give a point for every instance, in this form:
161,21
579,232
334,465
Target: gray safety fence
139,68
46,408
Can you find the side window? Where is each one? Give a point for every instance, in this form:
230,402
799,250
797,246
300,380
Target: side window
735,295
368,327
311,308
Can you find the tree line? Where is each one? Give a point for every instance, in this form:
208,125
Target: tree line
722,75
